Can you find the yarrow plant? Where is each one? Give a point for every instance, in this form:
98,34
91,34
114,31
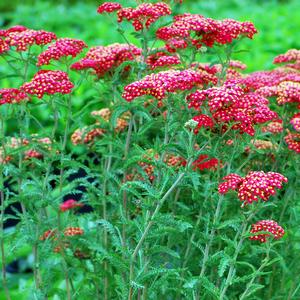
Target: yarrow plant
122,164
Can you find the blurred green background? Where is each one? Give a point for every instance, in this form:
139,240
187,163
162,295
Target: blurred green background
278,22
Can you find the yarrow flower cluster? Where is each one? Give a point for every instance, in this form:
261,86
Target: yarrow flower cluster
12,95
160,59
295,121
199,31
108,7
158,84
104,59
293,141
22,37
231,103
274,127
48,82
144,15
88,134
275,230
257,184
61,48
292,55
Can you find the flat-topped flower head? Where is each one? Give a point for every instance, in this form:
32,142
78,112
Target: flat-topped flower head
105,59
200,31
260,228
12,95
48,82
292,55
232,104
26,38
144,15
274,127
16,28
159,84
256,185
86,135
61,48
293,141
295,121
161,59
108,7
72,231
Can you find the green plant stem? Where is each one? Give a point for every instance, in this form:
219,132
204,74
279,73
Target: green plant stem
147,229
230,274
126,150
262,266
3,258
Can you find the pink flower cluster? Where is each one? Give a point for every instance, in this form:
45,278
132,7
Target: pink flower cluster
295,121
22,37
293,141
3,46
292,55
199,30
48,82
231,103
144,15
12,95
257,184
104,59
62,47
274,127
108,7
270,226
160,59
158,84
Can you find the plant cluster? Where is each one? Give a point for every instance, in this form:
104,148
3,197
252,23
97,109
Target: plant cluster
134,194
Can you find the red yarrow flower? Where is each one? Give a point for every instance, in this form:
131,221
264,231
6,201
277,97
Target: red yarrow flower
48,82
3,46
293,141
257,184
292,55
61,48
203,121
70,204
105,59
204,162
274,127
158,84
160,59
295,121
26,38
71,231
108,7
275,230
12,95
144,15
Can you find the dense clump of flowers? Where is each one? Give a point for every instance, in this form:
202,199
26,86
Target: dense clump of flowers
22,38
61,48
144,15
203,121
295,121
16,28
71,231
262,80
44,144
160,59
288,91
158,84
292,55
104,59
12,95
270,226
231,103
86,135
199,30
48,82
263,145
293,141
108,7
257,184
274,127
70,204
